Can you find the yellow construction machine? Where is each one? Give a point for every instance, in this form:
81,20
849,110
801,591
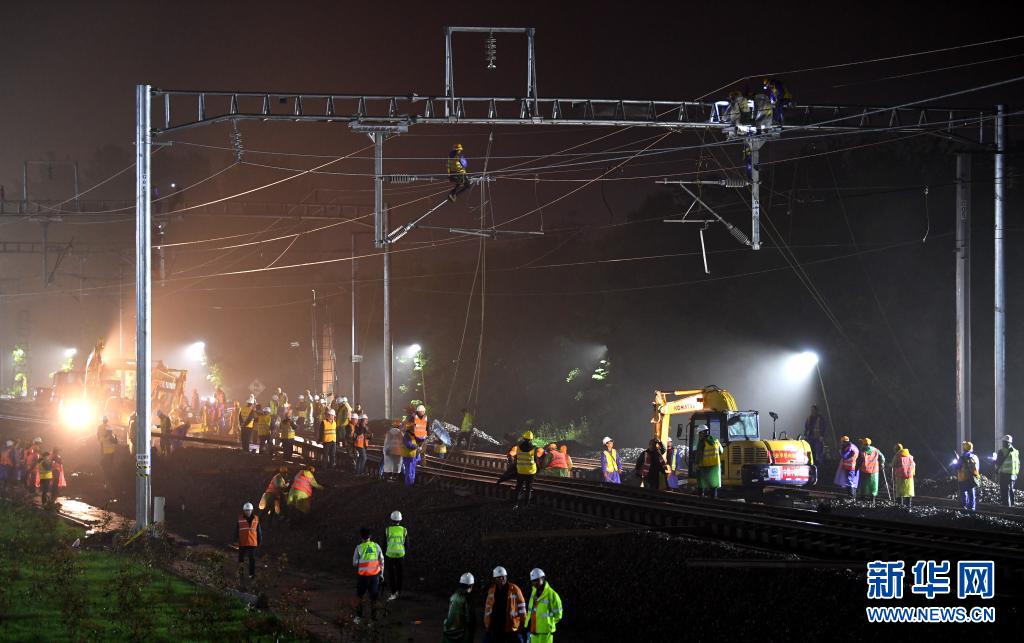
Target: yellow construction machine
750,462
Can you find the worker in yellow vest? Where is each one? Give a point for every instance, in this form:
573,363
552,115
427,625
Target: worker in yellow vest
368,560
410,456
246,422
526,469
1007,469
709,463
44,476
108,449
264,420
302,410
329,437
611,463
398,538
903,471
249,536
286,431
300,495
544,609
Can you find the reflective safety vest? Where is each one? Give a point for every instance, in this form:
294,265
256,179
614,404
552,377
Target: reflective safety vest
711,452
558,460
456,163
408,451
7,457
526,463
301,483
545,610
904,467
419,427
245,418
277,485
467,423
108,444
369,559
515,608
1011,461
304,411
263,424
396,541
360,440
287,429
46,469
870,463
330,431
247,534
611,460
968,467
849,458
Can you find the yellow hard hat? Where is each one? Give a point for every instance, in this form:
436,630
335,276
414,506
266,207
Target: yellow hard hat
968,446
457,147
528,435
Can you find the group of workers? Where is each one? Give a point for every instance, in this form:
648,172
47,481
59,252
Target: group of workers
526,460
507,615
31,466
763,108
859,469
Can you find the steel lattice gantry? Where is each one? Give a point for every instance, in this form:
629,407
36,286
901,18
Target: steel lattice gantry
183,109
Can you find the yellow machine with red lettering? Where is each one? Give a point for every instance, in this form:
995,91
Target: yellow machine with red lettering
749,461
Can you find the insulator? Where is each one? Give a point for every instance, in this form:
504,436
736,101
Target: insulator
735,183
740,236
491,49
236,143
400,178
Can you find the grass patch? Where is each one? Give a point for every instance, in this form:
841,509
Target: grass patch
50,591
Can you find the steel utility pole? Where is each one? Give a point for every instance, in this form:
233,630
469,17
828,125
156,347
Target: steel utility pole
378,133
999,416
963,297
143,306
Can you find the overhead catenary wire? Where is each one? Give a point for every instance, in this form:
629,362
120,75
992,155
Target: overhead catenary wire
866,61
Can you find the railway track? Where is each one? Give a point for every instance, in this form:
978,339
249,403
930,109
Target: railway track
807,533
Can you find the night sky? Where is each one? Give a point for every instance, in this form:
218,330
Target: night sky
67,83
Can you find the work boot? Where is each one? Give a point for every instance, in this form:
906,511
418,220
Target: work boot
451,197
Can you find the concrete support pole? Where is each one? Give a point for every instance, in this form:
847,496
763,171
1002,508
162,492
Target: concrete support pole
999,363
143,307
356,357
389,353
755,193
963,298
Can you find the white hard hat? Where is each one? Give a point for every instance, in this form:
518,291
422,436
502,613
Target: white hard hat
331,412
421,408
396,516
536,573
252,399
499,571
344,400
266,409
606,440
467,579
37,441
10,443
274,397
364,417
1008,438
247,506
302,397
316,397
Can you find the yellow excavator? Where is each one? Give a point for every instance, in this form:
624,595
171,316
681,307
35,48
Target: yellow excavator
750,462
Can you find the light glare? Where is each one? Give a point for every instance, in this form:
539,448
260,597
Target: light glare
799,366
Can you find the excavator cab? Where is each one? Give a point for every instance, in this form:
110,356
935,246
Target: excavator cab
748,460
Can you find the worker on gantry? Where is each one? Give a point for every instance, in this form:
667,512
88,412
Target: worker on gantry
457,165
778,98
